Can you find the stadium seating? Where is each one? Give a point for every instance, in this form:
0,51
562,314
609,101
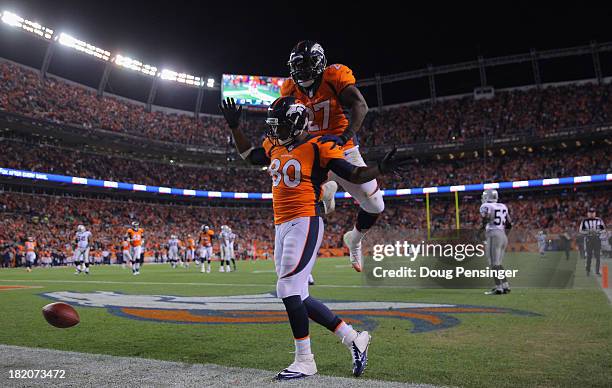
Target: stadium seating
20,154
533,110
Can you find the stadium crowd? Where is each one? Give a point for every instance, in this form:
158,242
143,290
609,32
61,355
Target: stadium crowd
533,110
22,155
52,220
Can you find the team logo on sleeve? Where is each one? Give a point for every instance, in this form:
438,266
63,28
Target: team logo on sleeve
268,309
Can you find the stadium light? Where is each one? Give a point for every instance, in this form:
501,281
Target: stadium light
210,83
84,47
15,20
171,75
133,64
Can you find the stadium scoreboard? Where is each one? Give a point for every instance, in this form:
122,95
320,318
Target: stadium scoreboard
251,90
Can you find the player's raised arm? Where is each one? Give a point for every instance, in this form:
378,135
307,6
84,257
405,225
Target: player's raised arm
246,150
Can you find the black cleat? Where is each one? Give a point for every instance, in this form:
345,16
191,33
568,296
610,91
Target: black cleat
494,291
507,290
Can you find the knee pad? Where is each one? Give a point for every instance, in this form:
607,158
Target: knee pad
374,203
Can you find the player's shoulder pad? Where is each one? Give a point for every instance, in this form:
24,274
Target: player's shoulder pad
288,87
335,71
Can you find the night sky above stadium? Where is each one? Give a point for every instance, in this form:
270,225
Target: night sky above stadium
211,38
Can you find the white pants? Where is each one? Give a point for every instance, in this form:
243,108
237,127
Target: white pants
126,256
136,252
81,254
295,250
227,252
206,253
367,194
496,246
190,254
30,257
173,254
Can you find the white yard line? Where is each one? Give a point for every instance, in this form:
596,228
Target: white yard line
96,370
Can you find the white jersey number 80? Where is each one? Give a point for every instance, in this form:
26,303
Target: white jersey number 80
284,175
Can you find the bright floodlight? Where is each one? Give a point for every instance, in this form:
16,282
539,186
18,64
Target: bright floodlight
85,47
133,64
210,82
35,28
183,78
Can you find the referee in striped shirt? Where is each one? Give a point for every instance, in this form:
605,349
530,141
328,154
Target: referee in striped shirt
592,227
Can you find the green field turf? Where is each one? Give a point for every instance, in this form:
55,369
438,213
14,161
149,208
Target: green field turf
569,342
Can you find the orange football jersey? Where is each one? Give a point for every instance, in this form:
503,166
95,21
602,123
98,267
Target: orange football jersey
135,236
190,243
29,246
206,237
326,114
297,172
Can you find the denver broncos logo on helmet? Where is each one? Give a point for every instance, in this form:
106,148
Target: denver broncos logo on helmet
266,308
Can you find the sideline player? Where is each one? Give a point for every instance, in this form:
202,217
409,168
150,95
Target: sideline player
125,251
227,238
495,220
541,237
336,109
190,254
81,253
205,242
298,164
30,247
136,237
173,250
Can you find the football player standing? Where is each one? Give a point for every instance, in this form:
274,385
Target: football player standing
298,163
205,242
30,246
135,235
81,253
336,110
495,220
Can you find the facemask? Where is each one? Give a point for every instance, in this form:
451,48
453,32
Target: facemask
306,84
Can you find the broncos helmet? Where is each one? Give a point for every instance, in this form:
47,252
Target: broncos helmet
287,118
306,63
135,225
489,196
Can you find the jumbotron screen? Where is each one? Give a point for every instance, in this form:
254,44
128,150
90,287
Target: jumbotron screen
252,90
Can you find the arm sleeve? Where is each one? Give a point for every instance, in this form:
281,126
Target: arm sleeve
259,157
484,211
341,167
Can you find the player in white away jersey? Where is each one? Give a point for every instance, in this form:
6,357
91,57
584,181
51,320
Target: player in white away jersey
226,247
541,237
173,250
81,253
496,220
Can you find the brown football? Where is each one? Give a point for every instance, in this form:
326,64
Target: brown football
60,315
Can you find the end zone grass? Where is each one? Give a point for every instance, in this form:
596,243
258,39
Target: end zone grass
569,344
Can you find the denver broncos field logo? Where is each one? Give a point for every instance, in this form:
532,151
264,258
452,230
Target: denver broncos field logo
266,308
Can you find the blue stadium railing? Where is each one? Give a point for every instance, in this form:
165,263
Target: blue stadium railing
233,195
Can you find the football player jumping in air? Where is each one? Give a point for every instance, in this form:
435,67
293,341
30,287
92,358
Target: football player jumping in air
336,109
298,164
